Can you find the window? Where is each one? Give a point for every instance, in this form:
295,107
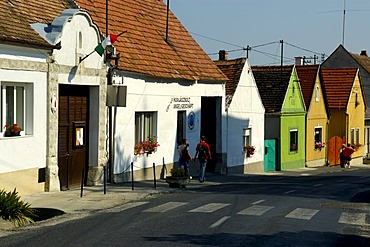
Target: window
145,125
317,93
247,137
17,105
357,136
318,135
293,140
352,136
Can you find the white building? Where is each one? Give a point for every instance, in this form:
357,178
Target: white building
47,92
244,117
174,90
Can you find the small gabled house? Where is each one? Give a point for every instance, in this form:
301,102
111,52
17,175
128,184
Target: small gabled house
244,117
285,130
347,106
317,114
51,95
174,90
341,58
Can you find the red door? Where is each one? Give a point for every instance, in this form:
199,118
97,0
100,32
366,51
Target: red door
72,134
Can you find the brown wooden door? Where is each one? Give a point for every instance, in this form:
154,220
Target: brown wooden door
73,114
335,143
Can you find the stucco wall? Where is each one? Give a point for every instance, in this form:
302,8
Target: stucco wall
150,95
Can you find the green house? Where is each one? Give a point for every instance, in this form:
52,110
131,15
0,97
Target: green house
282,98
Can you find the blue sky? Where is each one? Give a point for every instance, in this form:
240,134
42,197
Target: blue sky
307,27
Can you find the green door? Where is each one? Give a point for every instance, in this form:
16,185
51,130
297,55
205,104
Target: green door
270,163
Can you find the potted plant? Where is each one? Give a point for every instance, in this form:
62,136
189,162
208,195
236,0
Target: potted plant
319,145
249,150
12,130
149,146
178,178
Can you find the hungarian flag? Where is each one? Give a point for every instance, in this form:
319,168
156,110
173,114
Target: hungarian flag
107,41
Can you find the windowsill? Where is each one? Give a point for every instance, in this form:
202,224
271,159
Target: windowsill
23,135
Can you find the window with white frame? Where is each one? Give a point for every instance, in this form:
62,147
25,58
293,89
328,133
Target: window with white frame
357,136
318,135
247,137
317,93
352,136
145,125
17,105
293,140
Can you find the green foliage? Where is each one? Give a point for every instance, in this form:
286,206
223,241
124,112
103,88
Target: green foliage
178,172
15,210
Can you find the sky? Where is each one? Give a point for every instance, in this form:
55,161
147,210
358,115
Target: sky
308,28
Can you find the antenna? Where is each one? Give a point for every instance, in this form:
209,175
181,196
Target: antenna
344,20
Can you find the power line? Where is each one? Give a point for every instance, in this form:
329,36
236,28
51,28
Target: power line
217,40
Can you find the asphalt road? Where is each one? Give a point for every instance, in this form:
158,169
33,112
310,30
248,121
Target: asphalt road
322,210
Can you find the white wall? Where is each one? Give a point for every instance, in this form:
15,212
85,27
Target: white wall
145,95
245,111
18,153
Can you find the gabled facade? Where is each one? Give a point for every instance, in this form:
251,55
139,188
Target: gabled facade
347,106
284,115
317,115
174,90
52,97
244,117
341,58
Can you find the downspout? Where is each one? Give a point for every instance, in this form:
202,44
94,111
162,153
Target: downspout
227,138
327,141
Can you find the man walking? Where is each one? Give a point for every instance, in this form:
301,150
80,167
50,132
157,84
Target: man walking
203,153
347,153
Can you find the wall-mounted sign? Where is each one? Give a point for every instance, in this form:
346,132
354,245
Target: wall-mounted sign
191,120
54,103
79,139
180,103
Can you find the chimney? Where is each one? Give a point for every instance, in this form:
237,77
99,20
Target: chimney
299,60
363,53
223,55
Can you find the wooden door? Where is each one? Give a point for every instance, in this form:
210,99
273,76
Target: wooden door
72,134
334,145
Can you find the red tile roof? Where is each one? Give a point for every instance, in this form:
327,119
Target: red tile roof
272,83
17,15
338,85
232,69
307,77
143,48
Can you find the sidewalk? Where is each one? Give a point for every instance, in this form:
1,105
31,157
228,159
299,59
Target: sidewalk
93,198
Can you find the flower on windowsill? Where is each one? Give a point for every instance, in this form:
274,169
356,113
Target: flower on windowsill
149,146
12,130
319,145
249,150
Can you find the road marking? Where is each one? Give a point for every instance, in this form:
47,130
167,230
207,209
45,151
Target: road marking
256,210
317,185
219,222
209,208
257,202
166,207
353,218
290,191
125,207
302,213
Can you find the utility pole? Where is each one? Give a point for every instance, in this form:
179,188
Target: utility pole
168,9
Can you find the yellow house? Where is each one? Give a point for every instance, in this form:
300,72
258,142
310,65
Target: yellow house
347,106
316,116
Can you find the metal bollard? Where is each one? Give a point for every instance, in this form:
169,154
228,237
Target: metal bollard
132,175
155,181
82,181
105,180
